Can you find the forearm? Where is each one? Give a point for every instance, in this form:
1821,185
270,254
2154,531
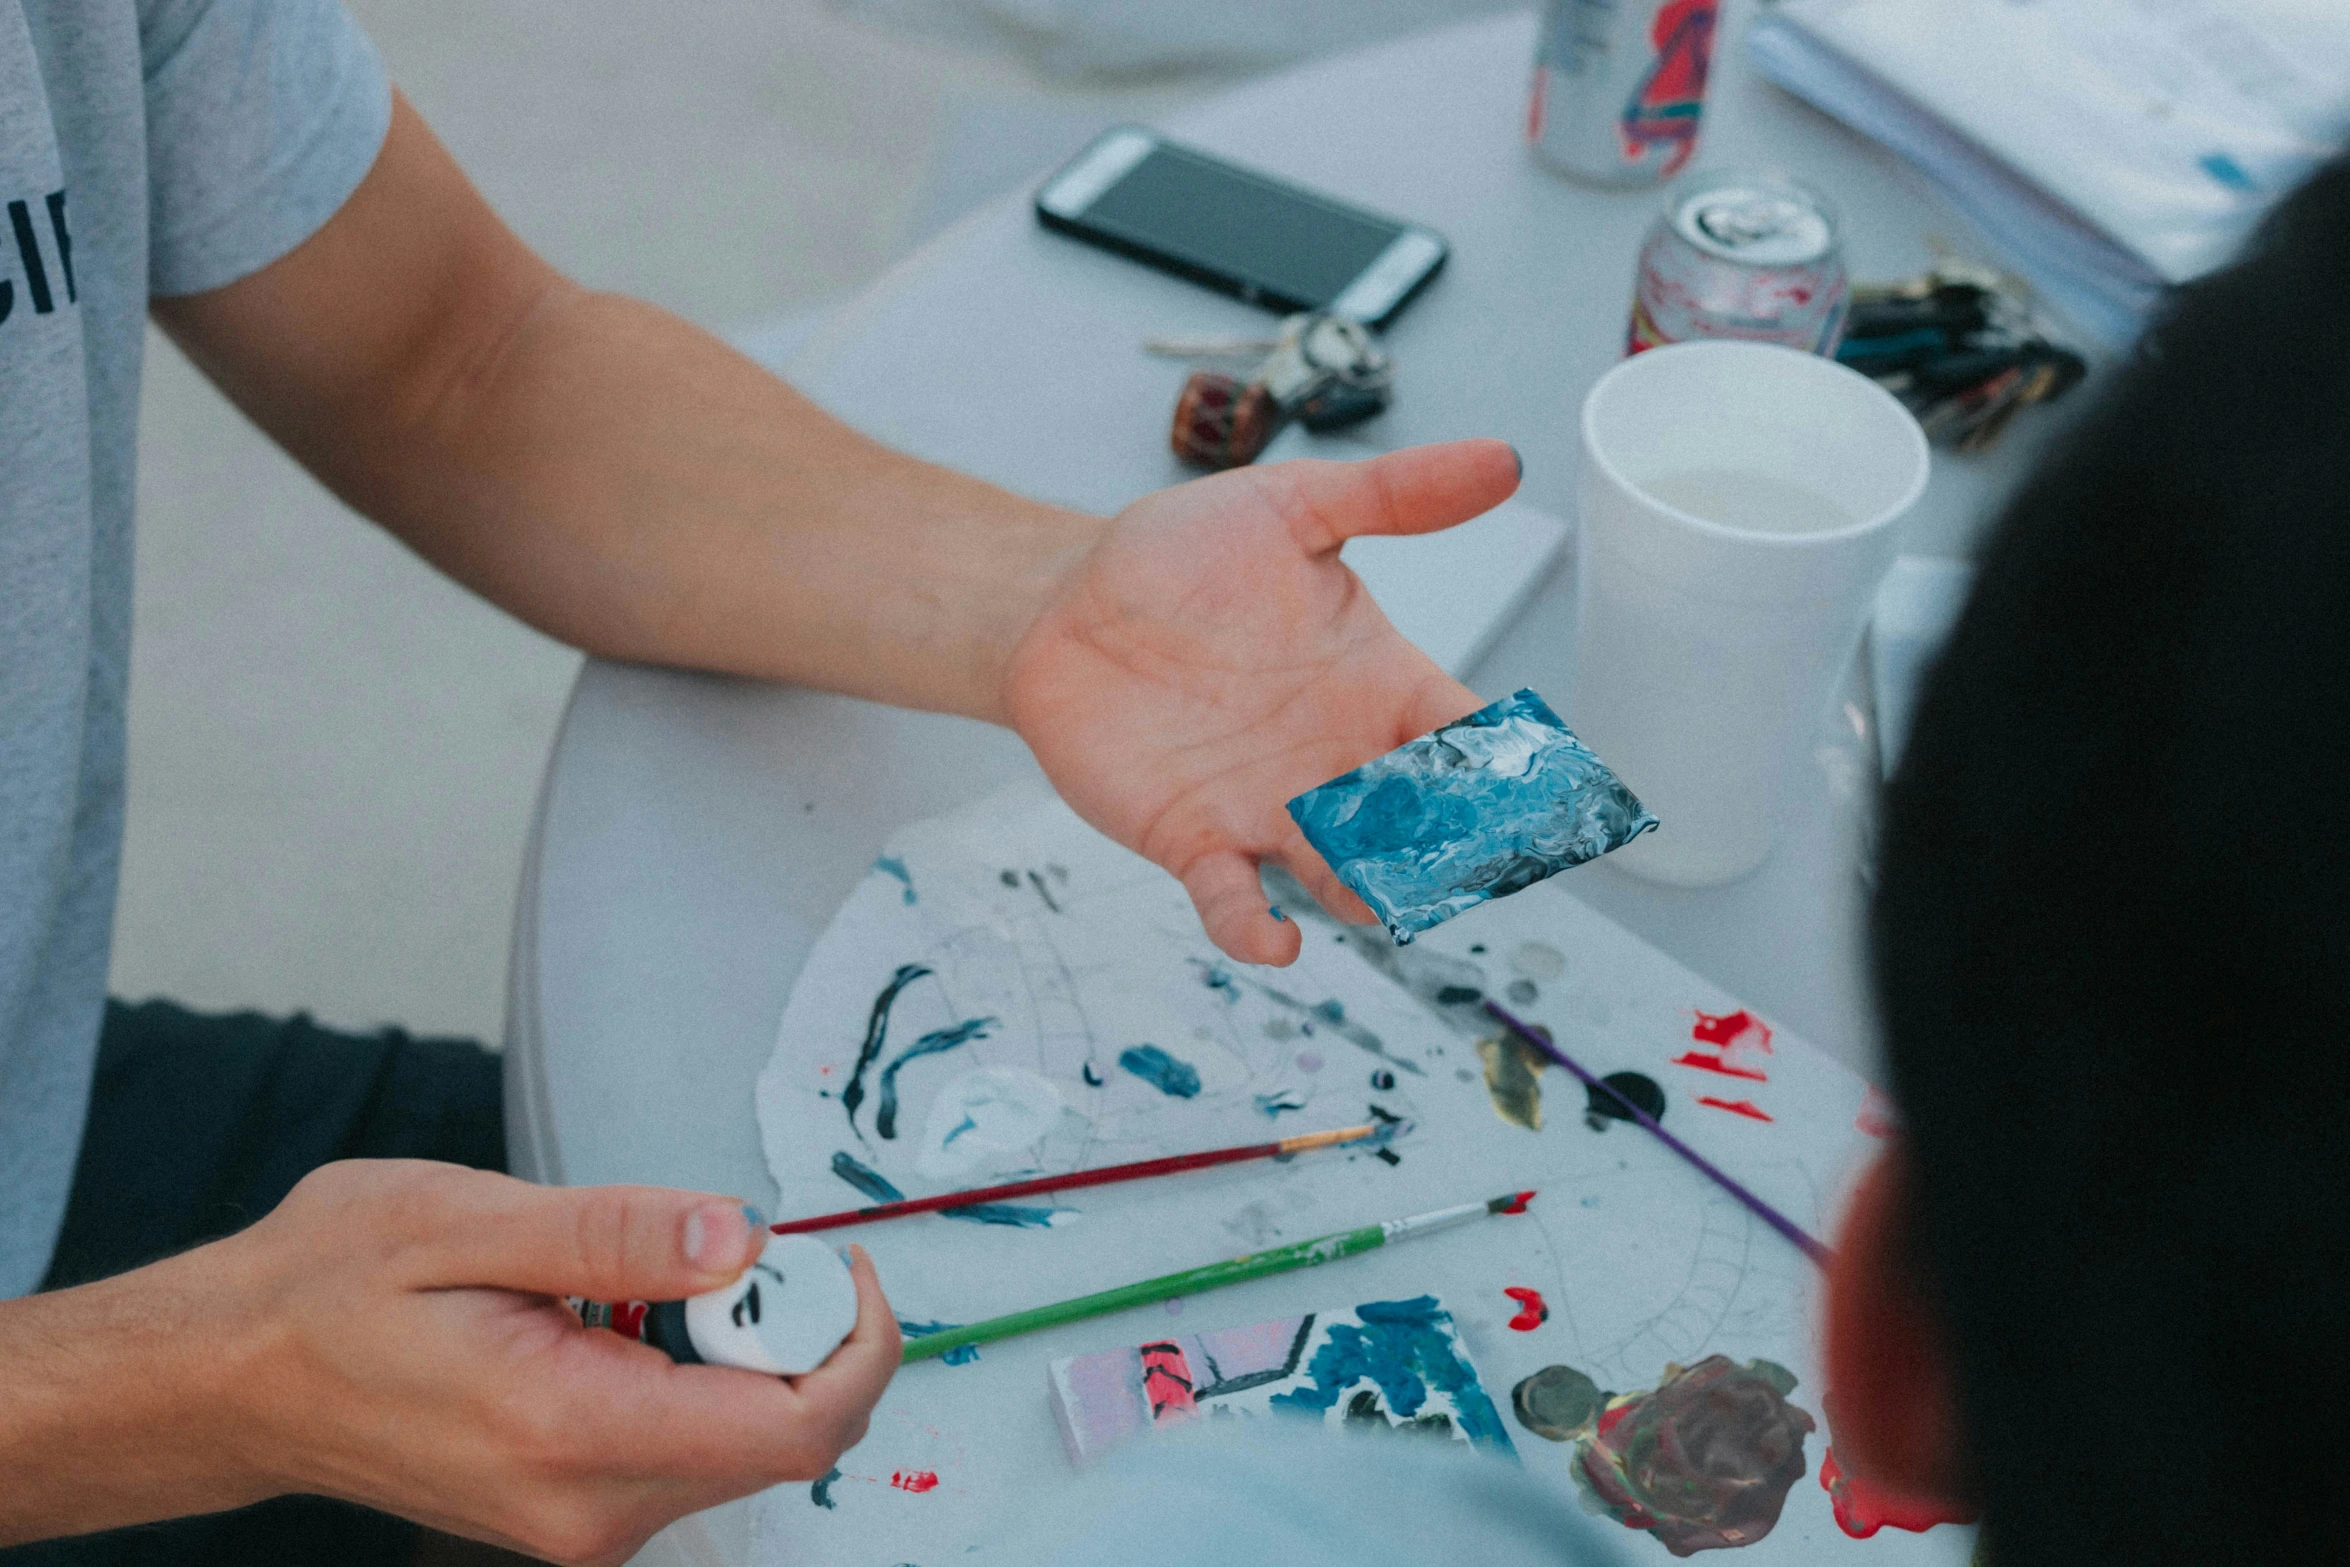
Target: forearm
607,472
631,485
109,1409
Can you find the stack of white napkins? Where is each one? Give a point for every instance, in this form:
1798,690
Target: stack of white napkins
2110,147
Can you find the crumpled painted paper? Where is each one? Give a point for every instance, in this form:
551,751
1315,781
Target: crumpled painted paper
1486,806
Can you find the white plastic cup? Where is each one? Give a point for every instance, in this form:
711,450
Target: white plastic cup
1738,502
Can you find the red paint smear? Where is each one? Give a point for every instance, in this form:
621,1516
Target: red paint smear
914,1480
1166,1381
1721,1064
1862,1509
1731,1028
1517,1203
1745,1107
1537,1310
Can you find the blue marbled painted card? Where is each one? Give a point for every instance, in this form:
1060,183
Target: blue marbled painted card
1486,806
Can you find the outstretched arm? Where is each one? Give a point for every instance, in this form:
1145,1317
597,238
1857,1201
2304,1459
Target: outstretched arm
629,484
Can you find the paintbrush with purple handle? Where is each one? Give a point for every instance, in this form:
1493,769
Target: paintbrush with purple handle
1804,1242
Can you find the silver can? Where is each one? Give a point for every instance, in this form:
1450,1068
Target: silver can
1741,255
1619,86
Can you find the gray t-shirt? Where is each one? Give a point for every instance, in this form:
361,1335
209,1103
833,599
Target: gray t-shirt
146,147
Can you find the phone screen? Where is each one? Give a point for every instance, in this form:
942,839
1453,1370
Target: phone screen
1290,242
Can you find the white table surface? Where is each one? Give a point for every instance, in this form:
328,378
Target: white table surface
695,834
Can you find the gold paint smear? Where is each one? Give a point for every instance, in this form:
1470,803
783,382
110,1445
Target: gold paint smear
1513,1079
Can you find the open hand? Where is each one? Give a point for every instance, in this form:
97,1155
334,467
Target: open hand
1212,657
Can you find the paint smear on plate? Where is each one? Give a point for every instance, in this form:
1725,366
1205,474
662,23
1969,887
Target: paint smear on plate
1330,1014
1704,1462
885,1109
1538,961
1011,1215
821,1492
1599,1107
1745,1107
1175,1078
1558,1403
876,1031
891,865
960,1355
1737,1037
1271,1105
866,1179
1533,1310
1513,1079
991,1116
914,1480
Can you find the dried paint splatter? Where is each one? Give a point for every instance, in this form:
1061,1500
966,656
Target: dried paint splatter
1744,1107
914,1480
1175,1078
1533,1310
1513,1079
1705,1461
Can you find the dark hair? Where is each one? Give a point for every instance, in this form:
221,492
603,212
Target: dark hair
2112,947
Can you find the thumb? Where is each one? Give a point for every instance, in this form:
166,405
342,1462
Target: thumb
472,1228
1420,489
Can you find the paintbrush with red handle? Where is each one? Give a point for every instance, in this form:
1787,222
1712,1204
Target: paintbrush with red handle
1108,1174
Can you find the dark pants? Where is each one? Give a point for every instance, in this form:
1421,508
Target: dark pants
198,1126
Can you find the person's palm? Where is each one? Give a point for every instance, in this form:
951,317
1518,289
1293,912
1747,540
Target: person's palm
1213,657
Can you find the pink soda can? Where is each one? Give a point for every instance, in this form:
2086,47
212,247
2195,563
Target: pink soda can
1741,255
1619,86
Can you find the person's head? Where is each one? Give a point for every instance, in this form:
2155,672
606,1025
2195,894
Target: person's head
2104,1291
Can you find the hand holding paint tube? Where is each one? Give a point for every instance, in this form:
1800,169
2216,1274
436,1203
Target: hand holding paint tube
785,1316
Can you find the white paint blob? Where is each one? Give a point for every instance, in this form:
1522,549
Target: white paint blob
988,1118
788,1311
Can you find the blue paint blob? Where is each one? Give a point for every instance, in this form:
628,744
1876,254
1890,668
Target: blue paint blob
1010,1214
885,1109
1486,806
866,1179
1271,1105
1405,1349
821,1492
960,1355
1176,1079
1275,910
891,865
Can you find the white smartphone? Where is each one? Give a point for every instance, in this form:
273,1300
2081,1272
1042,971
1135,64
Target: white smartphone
1269,242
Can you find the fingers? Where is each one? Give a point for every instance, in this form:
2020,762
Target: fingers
1232,909
850,1382
1420,489
713,1420
469,1227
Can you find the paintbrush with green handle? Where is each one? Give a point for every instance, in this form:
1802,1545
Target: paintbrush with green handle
1214,1275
